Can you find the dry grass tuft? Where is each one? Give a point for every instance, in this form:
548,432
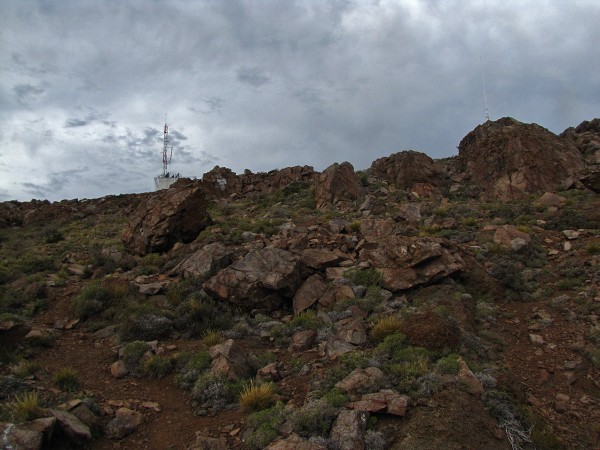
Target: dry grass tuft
255,397
385,327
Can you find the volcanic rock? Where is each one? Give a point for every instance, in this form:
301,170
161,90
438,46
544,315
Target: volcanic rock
229,359
262,279
124,423
205,262
349,429
177,214
294,442
338,185
411,171
508,159
406,262
309,293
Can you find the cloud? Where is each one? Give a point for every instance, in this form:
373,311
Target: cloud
267,84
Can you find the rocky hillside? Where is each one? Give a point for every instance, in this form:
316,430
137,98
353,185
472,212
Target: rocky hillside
418,304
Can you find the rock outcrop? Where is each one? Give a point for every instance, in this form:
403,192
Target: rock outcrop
222,182
508,159
262,279
412,171
338,186
177,214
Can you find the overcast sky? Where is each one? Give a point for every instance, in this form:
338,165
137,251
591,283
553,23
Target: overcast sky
262,84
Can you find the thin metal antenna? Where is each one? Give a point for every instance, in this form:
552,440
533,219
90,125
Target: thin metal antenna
487,114
166,160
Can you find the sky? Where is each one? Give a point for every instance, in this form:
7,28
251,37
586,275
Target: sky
268,84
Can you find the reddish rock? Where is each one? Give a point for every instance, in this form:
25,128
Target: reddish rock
229,360
360,379
118,369
205,262
551,199
262,279
125,422
320,258
333,295
294,442
177,214
349,428
470,381
309,293
338,185
510,236
411,171
302,340
508,159
385,401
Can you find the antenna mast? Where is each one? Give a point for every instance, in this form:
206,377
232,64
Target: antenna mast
487,114
166,159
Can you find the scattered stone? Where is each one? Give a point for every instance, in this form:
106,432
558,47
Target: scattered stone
510,236
567,246
230,360
154,406
551,199
320,258
151,288
469,379
302,341
294,442
209,443
20,437
349,429
361,379
385,401
536,339
309,293
76,430
571,234
562,403
125,422
335,347
205,262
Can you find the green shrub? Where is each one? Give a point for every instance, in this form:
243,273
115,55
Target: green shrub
133,353
200,313
91,300
158,366
257,396
448,364
336,397
212,337
216,391
391,345
385,327
265,426
24,407
313,419
67,379
191,366
307,320
146,327
26,369
52,236
364,277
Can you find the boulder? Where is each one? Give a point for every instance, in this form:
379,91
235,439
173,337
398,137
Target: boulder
361,380
508,159
72,427
20,437
309,293
412,171
165,217
334,347
385,401
124,423
468,378
320,258
262,279
209,443
302,341
510,236
551,199
230,360
205,262
406,262
349,429
294,442
333,295
338,185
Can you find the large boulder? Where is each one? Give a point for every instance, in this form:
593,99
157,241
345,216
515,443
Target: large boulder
205,262
262,279
410,170
586,137
338,185
177,214
406,262
508,159
229,359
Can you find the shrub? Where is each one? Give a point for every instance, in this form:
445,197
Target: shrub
385,327
216,391
264,425
448,364
364,277
336,397
192,365
314,418
374,440
24,407
133,353
52,236
11,385
67,379
255,397
199,313
25,369
158,366
306,320
391,344
212,337
146,327
354,226
91,300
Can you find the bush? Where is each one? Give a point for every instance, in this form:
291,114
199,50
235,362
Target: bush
133,353
52,236
336,397
24,407
313,419
91,300
158,366
255,397
391,345
448,364
385,327
192,365
307,320
212,337
67,379
216,391
146,327
364,277
265,426
199,313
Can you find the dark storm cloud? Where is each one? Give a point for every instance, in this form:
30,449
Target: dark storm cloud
57,181
261,84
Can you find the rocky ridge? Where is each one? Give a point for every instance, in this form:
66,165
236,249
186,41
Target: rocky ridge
385,308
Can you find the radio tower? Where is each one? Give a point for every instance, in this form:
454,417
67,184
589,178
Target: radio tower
487,114
164,180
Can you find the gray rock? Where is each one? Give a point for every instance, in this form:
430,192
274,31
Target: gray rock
349,429
124,423
77,431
